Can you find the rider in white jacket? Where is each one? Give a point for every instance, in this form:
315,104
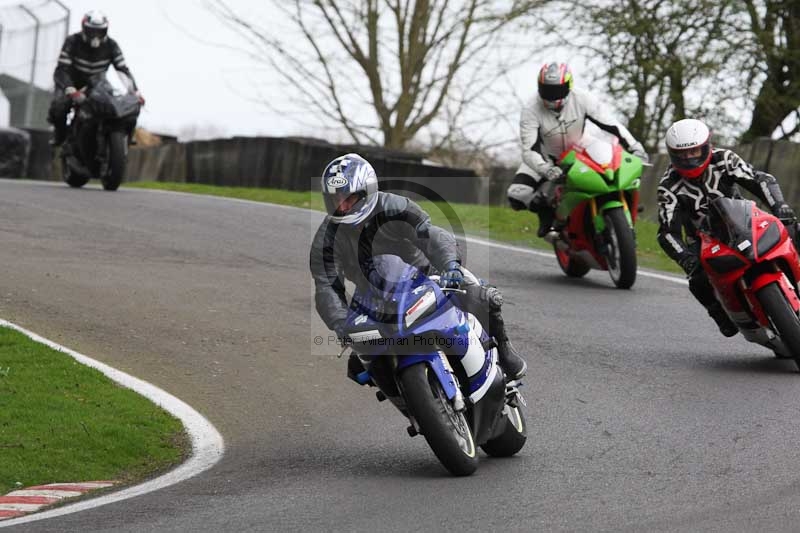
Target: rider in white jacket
550,123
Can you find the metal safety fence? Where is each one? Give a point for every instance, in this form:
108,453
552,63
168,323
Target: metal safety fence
31,36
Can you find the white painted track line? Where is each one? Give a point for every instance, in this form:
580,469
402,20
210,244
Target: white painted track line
207,443
474,240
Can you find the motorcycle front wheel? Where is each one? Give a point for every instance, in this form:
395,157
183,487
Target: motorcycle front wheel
621,257
446,430
117,160
784,319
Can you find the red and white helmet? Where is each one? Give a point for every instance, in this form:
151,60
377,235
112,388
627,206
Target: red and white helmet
555,83
688,147
94,28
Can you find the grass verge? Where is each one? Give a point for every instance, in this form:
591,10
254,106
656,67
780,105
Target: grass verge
491,222
61,421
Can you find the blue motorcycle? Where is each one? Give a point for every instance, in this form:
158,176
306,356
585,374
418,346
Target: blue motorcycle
437,365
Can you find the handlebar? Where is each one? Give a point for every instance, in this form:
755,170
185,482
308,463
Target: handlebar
346,347
459,291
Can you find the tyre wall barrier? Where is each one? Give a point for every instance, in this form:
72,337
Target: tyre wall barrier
296,163
290,164
779,158
15,147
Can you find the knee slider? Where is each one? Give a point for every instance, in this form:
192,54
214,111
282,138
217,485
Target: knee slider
520,196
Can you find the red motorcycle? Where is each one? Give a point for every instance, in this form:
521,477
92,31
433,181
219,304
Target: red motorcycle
751,261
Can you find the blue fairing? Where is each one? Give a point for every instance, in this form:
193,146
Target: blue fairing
433,360
378,319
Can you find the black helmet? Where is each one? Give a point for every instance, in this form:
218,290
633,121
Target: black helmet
94,28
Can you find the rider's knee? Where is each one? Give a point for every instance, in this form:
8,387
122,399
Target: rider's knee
520,196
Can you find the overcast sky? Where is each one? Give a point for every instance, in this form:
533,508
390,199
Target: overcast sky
192,84
186,83
189,83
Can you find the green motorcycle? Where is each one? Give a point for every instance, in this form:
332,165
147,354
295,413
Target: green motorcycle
596,207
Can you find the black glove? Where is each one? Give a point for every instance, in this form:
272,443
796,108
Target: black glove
689,263
452,277
784,212
553,173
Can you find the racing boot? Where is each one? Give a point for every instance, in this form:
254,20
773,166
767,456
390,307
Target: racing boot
59,136
356,370
724,323
513,365
546,217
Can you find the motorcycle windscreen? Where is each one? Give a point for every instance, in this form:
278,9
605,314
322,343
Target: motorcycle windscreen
730,221
381,303
125,105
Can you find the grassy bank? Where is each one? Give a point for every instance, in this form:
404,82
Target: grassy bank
61,421
498,223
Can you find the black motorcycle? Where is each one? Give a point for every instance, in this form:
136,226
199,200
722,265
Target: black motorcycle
98,136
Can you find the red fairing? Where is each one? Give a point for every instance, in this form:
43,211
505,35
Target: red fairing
579,240
634,205
731,287
616,160
583,157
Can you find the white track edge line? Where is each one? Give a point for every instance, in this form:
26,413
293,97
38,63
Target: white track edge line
484,242
531,251
207,443
475,240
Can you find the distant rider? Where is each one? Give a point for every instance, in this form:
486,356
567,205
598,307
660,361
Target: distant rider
550,123
699,173
362,223
84,55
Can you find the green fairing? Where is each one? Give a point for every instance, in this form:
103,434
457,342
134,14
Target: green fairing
584,183
610,243
630,170
568,160
600,222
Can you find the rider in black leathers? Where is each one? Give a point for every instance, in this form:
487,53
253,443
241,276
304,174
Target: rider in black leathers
699,173
363,223
84,55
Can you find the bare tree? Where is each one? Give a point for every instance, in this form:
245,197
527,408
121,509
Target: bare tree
775,29
656,54
413,64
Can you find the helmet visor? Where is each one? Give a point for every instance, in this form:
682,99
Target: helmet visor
551,93
339,204
95,33
689,158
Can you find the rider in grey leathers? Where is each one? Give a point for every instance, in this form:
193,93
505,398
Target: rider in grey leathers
364,223
551,123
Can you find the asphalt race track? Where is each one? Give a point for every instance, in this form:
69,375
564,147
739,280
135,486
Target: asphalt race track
641,416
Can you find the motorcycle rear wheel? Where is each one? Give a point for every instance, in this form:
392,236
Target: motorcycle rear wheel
70,178
621,256
76,181
513,437
783,318
571,266
117,160
446,430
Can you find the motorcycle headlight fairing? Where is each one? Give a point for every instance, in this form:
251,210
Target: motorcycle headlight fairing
422,307
769,239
